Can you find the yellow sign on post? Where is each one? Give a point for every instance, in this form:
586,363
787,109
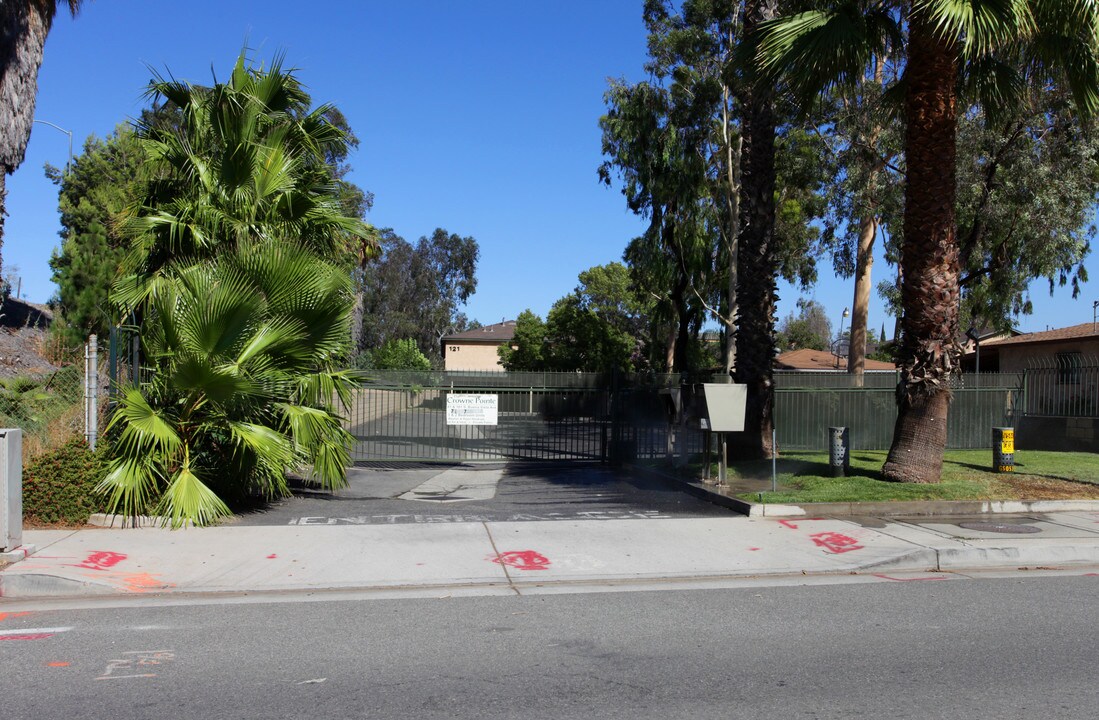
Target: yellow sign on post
1007,442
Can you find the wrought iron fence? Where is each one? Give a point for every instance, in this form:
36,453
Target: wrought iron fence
1064,386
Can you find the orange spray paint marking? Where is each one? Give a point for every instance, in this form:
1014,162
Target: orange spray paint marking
4,615
57,664
144,582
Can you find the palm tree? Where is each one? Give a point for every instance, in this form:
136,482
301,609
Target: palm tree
239,273
24,25
757,259
996,48
243,389
248,160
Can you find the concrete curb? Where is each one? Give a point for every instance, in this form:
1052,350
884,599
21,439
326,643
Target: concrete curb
20,553
103,520
42,585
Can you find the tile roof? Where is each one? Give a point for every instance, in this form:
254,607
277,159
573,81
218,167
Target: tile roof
495,334
806,359
1073,332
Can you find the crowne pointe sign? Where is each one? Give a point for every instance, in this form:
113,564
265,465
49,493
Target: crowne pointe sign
471,409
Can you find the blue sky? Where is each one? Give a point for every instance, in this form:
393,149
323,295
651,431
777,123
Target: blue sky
479,117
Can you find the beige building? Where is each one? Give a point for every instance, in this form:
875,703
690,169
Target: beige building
476,349
1067,347
1060,409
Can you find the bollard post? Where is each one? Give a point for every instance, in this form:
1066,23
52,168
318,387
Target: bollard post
1003,450
839,451
11,489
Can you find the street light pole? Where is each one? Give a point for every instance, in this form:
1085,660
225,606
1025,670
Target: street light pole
839,337
67,132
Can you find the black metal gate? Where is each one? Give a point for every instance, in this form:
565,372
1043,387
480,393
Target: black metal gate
538,416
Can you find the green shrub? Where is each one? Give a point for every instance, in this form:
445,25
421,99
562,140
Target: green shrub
59,485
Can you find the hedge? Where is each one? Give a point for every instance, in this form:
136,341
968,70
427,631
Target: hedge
59,486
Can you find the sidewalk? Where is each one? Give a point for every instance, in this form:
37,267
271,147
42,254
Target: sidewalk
508,556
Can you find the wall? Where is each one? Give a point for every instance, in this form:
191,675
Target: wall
471,356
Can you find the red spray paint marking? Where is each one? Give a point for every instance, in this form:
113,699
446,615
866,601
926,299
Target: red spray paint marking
788,523
101,560
522,560
895,579
835,543
27,636
272,556
753,549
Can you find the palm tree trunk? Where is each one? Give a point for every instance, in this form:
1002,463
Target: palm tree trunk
929,351
23,29
756,293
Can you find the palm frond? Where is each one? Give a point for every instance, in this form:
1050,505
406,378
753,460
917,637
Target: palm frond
188,499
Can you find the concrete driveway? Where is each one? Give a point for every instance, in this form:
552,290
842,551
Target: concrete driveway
500,492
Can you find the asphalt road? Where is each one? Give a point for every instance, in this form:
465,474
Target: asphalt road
522,492
1011,648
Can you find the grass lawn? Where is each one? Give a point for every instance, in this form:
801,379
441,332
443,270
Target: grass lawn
967,475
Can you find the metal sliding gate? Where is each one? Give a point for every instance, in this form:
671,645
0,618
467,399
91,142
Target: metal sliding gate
538,416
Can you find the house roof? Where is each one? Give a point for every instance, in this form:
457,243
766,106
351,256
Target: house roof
806,359
495,334
1073,332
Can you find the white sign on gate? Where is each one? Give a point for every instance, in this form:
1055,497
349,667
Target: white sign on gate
472,409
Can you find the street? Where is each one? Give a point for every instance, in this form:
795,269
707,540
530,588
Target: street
1011,647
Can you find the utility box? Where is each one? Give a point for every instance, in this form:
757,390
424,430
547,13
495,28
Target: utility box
719,407
11,489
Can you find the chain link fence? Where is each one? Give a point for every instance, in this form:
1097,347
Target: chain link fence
59,402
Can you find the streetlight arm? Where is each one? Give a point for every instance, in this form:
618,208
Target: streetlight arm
67,132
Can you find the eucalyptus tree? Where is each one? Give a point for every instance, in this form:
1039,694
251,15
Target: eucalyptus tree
1028,182
239,273
999,48
24,25
664,179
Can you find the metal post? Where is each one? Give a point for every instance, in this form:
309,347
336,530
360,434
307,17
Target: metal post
774,462
91,391
11,489
723,469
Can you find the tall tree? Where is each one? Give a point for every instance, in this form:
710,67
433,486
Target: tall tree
24,25
809,328
95,197
756,291
1003,47
417,291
